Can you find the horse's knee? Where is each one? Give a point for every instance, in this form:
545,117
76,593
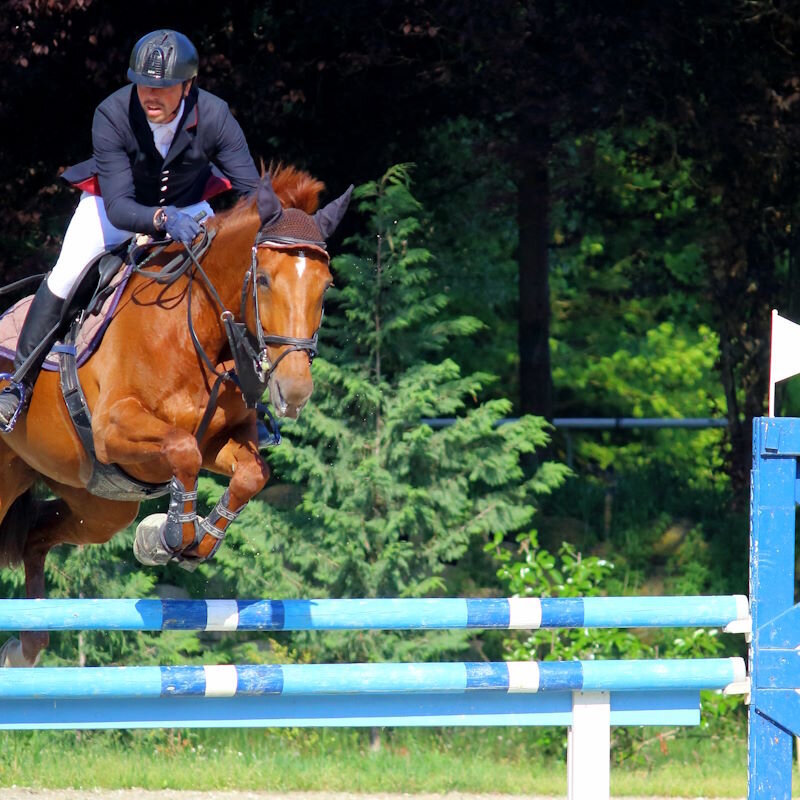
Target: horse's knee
181,452
249,479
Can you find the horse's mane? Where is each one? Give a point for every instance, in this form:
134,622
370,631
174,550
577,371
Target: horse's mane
294,187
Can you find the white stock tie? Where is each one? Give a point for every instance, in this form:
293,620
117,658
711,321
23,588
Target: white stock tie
163,137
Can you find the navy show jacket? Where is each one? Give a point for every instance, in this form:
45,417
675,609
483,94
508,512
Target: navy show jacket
134,179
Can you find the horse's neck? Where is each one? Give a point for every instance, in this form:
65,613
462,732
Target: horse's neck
228,259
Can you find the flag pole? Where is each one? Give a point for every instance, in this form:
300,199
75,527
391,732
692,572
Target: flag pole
771,411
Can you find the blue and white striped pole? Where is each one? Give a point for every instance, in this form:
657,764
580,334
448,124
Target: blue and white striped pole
354,679
525,613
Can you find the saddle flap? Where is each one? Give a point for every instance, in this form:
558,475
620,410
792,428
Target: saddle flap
101,311
94,283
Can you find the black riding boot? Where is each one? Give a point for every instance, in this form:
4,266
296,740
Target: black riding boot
41,323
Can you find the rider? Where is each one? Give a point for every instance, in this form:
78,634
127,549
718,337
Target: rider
154,143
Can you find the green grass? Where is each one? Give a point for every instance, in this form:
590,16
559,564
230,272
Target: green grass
480,760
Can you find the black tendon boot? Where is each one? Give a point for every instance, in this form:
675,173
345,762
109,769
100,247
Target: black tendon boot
41,323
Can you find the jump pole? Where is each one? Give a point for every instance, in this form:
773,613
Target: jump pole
588,697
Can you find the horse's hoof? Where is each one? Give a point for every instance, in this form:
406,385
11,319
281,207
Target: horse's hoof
11,655
148,546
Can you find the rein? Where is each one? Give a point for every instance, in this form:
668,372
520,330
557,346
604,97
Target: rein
17,285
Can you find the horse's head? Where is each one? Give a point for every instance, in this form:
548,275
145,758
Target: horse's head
291,270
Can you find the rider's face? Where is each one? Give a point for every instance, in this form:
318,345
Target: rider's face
161,105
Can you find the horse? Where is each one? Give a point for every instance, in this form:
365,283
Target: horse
163,394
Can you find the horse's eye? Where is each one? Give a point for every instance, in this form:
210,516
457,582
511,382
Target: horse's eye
262,280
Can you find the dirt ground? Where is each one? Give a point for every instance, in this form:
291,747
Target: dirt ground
16,793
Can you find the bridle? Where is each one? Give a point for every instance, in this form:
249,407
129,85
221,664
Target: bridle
252,366
293,344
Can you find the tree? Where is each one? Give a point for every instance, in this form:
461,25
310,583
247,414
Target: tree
734,107
720,76
391,506
633,328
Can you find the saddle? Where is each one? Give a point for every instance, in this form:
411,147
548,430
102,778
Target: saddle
88,310
95,296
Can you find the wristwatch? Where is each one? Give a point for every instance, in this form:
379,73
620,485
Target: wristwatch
160,219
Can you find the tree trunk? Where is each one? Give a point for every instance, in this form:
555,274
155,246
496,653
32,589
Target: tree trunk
742,282
535,380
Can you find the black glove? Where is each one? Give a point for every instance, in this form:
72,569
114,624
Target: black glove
181,226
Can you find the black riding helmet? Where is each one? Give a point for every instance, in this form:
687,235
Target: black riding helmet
163,58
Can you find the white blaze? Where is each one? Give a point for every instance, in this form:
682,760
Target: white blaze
300,265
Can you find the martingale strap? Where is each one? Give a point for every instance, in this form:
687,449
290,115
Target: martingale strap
250,375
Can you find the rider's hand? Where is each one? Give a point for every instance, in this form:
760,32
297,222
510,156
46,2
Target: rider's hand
181,226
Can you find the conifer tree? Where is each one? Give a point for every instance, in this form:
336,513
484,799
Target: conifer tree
390,505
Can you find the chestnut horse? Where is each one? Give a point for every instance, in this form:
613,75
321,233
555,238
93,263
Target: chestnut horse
150,383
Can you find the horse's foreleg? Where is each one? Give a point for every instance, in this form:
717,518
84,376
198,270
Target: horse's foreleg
128,434
238,457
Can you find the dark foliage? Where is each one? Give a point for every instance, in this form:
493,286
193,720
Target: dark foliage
346,89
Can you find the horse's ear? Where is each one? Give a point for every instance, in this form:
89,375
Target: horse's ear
329,217
269,207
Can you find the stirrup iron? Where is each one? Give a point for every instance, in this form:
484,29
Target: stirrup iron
21,390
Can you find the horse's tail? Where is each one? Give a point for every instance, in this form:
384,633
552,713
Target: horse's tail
14,529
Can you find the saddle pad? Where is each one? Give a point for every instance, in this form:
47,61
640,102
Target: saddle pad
89,336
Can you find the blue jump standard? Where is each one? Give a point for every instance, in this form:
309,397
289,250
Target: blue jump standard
381,614
337,679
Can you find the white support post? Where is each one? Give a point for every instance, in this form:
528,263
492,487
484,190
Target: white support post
589,747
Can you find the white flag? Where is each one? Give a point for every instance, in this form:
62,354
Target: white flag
784,360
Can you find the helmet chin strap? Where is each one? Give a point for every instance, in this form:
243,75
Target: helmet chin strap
180,102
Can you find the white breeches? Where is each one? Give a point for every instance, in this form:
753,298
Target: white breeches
90,233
